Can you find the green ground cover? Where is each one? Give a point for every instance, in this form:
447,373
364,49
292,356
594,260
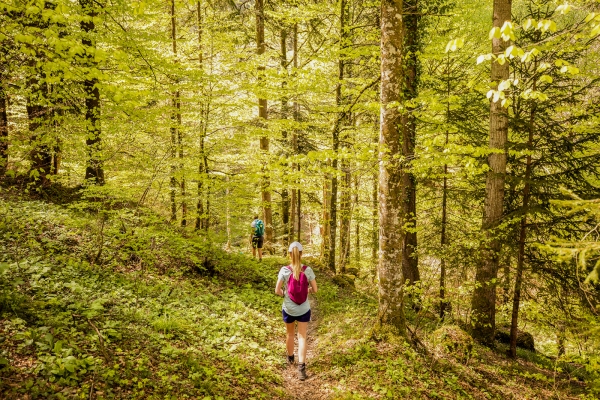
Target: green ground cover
120,305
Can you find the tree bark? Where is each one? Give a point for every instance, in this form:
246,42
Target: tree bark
3,131
391,214
375,218
483,302
296,215
522,235
299,214
203,188
410,262
285,199
443,240
356,222
94,170
325,233
262,116
336,140
174,127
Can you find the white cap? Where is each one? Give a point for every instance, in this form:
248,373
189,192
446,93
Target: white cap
295,244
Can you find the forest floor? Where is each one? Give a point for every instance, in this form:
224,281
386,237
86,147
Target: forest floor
107,301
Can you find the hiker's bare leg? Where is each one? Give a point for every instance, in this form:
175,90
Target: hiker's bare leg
290,339
260,254
302,328
253,252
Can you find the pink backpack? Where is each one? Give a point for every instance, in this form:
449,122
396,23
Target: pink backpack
297,290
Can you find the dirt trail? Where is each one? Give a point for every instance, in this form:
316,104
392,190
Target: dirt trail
314,387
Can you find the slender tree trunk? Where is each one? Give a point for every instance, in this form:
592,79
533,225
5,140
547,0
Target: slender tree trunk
356,222
299,214
325,233
336,139
262,116
285,199
345,217
293,219
228,217
296,210
346,182
201,211
173,129
443,240
94,170
176,132
522,235
206,222
410,262
200,202
181,165
3,131
391,214
483,303
375,217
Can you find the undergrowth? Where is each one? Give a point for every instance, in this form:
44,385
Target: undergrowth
119,305
112,302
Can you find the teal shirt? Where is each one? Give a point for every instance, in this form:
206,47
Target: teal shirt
291,308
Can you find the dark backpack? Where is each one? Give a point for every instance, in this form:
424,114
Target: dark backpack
259,228
297,290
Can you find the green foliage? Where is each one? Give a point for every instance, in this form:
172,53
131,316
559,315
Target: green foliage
70,324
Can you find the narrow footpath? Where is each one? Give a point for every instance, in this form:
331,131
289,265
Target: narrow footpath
314,387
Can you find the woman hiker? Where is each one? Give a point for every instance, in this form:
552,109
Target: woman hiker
294,283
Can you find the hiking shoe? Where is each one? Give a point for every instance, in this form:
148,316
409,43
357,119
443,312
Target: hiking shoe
290,359
302,371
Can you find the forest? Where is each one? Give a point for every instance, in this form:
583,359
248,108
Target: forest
439,162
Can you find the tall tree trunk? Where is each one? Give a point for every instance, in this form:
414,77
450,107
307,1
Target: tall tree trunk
346,182
411,18
203,190
522,235
3,131
181,165
285,199
94,169
262,116
391,213
336,138
296,210
173,129
483,303
443,240
176,132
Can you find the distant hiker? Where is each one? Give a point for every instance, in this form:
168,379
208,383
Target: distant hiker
258,237
294,283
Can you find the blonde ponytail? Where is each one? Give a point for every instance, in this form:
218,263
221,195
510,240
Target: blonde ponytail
296,264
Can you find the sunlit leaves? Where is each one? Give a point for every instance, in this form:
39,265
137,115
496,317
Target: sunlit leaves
563,8
455,44
506,32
